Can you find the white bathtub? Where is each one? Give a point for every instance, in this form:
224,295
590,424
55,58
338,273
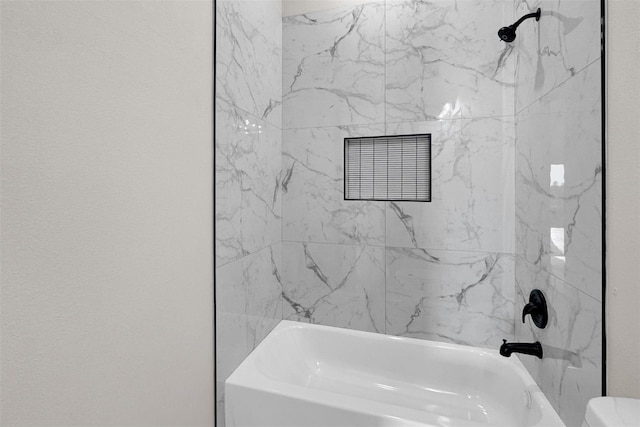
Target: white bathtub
308,375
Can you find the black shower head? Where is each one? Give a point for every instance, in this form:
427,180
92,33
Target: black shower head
508,34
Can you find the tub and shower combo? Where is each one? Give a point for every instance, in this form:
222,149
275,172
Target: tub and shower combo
401,185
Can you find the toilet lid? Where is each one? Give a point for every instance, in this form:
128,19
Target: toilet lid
613,412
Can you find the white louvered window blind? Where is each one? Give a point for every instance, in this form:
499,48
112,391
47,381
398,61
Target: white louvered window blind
390,168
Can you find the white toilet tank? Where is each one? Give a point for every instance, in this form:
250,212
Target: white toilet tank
612,412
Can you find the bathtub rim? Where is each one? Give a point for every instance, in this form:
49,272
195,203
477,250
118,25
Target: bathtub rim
249,376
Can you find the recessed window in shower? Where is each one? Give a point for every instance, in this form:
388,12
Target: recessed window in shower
388,168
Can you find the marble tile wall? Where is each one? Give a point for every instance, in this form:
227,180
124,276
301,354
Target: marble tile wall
248,193
333,67
453,296
249,56
560,45
471,207
559,182
516,177
313,205
558,203
444,60
441,270
248,144
334,285
571,371
248,307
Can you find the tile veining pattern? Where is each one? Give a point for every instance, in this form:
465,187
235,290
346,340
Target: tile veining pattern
441,270
442,60
335,59
515,165
249,57
558,186
248,144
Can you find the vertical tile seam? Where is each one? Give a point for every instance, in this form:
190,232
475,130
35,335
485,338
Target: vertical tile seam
384,270
282,209
514,111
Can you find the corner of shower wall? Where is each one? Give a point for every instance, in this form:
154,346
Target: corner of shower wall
248,205
558,201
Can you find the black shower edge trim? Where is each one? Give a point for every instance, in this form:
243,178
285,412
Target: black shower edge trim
603,150
213,178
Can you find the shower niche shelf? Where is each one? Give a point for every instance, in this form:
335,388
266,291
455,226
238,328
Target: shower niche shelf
388,168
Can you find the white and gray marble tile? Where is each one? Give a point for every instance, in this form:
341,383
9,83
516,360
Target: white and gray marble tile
552,50
334,285
445,60
472,198
559,182
263,282
231,326
460,297
442,274
314,209
249,56
570,372
248,197
260,165
333,67
249,306
228,182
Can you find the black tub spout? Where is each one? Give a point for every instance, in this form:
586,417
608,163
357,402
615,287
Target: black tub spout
534,349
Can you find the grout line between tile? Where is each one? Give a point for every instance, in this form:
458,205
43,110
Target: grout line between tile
564,282
245,255
559,85
234,106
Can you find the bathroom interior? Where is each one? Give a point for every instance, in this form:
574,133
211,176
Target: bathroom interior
516,183
186,239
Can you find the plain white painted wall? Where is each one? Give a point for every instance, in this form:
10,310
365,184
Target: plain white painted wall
623,198
106,198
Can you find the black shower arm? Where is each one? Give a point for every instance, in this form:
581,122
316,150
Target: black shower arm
535,14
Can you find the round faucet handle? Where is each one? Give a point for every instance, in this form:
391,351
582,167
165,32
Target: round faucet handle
537,308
